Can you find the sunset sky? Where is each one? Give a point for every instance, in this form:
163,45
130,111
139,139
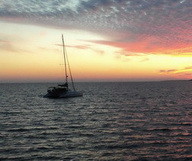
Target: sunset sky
106,40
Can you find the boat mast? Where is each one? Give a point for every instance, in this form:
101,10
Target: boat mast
65,63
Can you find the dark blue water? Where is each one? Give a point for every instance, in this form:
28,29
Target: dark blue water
112,121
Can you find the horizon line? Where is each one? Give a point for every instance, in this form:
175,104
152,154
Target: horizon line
99,81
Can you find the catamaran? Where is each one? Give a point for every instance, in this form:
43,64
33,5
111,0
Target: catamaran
63,90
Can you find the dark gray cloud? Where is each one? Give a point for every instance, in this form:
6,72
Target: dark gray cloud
165,24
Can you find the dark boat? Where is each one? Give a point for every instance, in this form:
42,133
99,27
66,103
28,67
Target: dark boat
63,90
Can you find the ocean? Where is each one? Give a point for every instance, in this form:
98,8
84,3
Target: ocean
140,121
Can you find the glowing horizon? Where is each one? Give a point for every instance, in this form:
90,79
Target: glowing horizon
105,40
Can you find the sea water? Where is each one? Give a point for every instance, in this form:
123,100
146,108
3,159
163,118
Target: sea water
112,121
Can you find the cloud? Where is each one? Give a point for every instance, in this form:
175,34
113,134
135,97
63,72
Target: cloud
190,67
177,71
11,46
83,47
144,26
168,71
76,46
8,46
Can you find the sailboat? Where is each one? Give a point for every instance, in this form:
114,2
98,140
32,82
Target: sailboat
63,90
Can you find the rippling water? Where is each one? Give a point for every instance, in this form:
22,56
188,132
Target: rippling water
112,121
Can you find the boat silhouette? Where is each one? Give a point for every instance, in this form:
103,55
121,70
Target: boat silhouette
63,90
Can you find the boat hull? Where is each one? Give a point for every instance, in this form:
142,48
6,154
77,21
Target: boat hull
68,94
71,94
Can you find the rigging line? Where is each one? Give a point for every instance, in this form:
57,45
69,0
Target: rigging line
70,71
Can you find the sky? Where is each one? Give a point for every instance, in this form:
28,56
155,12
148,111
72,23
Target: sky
106,40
